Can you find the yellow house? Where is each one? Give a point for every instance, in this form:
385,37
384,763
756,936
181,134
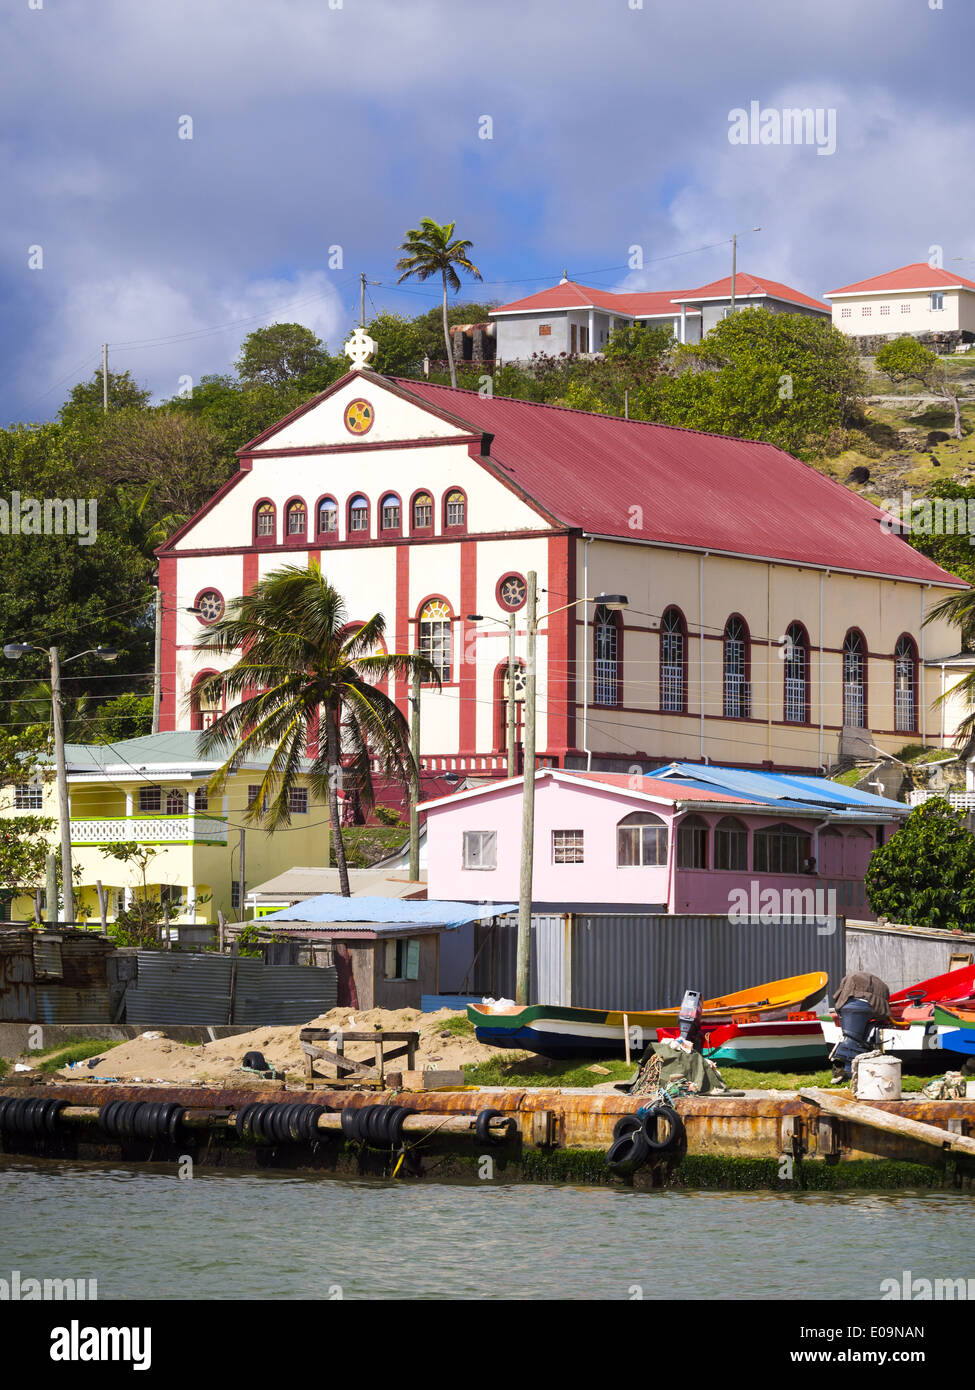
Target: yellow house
153,791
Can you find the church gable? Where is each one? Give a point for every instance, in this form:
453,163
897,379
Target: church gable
361,408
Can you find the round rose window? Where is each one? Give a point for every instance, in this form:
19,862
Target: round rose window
359,416
210,606
512,591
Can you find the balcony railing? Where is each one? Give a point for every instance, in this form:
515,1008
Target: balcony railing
959,801
202,829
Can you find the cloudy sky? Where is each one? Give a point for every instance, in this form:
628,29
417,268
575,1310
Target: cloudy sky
321,124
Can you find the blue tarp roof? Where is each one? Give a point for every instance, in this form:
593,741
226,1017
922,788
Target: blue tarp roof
329,908
778,788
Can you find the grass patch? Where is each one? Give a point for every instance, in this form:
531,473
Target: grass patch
4,1067
747,1079
79,1052
459,1027
364,844
524,1070
850,777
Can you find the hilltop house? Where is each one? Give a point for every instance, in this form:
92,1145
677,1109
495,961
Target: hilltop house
153,791
918,300
573,318
685,839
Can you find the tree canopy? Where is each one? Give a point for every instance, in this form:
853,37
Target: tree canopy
924,875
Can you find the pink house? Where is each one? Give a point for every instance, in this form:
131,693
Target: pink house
671,842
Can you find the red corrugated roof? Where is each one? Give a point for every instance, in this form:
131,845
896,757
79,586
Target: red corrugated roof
567,295
917,276
748,287
700,490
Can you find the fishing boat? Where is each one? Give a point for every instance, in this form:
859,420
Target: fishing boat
768,1043
918,1045
957,1027
914,1004
553,1030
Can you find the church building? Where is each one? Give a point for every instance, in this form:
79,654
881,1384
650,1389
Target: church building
772,620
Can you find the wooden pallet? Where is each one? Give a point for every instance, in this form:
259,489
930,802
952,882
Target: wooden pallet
347,1070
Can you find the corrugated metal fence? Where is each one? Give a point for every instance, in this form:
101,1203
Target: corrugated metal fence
643,961
184,988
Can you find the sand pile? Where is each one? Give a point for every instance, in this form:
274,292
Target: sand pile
152,1057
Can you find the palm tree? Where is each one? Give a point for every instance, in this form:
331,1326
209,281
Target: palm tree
960,609
302,665
428,250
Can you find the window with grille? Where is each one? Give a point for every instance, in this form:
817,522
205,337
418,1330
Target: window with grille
328,517
480,849
796,665
456,509
692,843
253,794
641,839
201,801
730,844
298,801
264,521
435,633
854,702
672,655
235,894
391,513
905,686
884,309
780,849
297,519
567,847
359,514
866,311
28,797
605,658
736,702
906,307
150,799
175,802
422,511
845,313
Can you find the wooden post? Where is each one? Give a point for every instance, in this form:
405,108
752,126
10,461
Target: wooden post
221,931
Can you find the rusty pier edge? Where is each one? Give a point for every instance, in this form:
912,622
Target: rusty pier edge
769,1140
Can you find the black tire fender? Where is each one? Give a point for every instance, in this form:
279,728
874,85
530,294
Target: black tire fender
626,1124
628,1153
651,1127
486,1135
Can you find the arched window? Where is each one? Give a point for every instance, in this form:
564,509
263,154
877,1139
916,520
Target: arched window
328,517
435,635
673,662
175,802
780,849
854,680
730,844
359,516
606,657
422,512
692,843
796,675
296,520
204,711
391,513
455,510
501,708
737,704
641,839
265,523
905,685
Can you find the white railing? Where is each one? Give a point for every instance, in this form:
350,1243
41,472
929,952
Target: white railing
959,801
200,829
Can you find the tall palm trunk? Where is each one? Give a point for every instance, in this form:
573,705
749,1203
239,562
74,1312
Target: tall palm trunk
333,745
446,335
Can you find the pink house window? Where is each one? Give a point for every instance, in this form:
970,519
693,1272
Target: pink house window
641,839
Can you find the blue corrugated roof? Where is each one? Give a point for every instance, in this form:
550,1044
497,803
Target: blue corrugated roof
328,908
779,788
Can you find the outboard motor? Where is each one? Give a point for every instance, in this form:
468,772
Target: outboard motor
689,1018
859,1035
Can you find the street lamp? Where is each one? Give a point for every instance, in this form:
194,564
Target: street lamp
13,651
614,603
510,624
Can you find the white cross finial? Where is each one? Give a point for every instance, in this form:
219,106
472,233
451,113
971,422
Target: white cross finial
360,347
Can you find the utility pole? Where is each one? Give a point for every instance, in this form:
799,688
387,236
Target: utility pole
105,376
415,779
157,664
363,282
734,268
242,880
67,887
523,963
512,750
